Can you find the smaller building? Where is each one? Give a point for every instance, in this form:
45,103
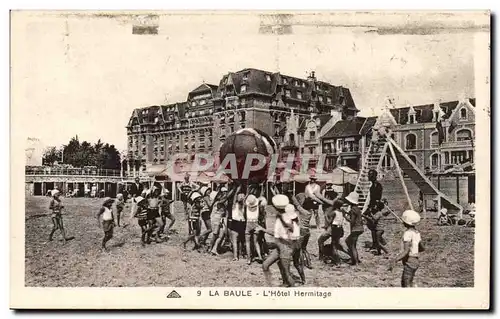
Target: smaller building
346,142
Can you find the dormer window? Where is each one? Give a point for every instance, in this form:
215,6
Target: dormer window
411,119
243,89
463,114
245,77
303,84
329,100
285,81
193,103
287,93
296,83
317,86
299,95
203,102
268,77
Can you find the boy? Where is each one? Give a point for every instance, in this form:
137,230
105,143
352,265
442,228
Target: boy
108,222
355,218
237,222
252,219
412,246
154,219
379,222
56,207
120,205
165,212
221,230
141,213
194,220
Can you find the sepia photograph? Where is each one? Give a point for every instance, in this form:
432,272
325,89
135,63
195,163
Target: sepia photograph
224,158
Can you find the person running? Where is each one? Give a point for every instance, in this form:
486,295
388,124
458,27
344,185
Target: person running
237,223
166,212
252,219
312,202
411,247
194,220
120,206
286,234
106,214
155,222
354,217
141,213
56,207
135,191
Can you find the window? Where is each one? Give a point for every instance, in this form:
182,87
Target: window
299,95
317,86
411,141
413,158
203,102
434,139
464,135
329,100
411,119
287,93
463,113
296,83
435,161
243,89
193,103
268,77
312,135
303,84
340,144
285,81
245,76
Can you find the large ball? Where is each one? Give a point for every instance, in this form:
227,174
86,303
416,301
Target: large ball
242,143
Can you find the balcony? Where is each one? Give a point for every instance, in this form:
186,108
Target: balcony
71,171
290,145
310,141
457,144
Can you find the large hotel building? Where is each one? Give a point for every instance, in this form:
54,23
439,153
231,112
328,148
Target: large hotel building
247,98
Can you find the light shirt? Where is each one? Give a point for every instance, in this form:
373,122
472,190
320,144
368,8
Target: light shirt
281,232
107,215
412,236
238,212
253,213
338,219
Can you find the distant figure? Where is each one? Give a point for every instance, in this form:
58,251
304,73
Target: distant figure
56,207
135,191
108,223
312,202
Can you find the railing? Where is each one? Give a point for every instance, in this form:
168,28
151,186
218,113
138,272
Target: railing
457,143
311,141
72,171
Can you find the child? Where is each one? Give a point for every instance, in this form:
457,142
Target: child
379,222
154,219
412,245
141,214
206,213
120,205
252,218
353,215
108,222
56,207
237,222
194,220
165,212
220,231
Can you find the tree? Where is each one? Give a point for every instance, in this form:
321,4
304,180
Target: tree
51,155
85,154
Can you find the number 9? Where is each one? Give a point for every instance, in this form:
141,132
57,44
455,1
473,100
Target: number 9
198,293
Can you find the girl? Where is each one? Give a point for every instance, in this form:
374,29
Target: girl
337,231
120,205
237,222
165,212
141,213
194,220
412,246
355,218
206,213
108,222
56,207
287,235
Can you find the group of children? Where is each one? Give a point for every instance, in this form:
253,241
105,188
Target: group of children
240,219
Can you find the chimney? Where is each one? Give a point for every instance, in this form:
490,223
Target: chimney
311,77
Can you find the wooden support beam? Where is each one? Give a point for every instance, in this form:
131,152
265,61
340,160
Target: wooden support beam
400,175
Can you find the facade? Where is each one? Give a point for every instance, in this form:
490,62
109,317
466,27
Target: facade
34,152
247,98
346,142
416,133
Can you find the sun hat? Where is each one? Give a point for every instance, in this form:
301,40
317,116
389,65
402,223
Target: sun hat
203,190
223,189
119,196
54,192
195,196
353,198
410,217
251,201
107,200
280,201
444,211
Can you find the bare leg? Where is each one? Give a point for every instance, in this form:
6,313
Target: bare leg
55,226
61,228
271,259
257,246
234,242
207,232
321,241
299,264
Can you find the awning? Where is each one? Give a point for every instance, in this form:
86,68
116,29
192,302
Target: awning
342,175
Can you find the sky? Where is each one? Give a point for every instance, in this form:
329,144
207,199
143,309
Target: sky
83,74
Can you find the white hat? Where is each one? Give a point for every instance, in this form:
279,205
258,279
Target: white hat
223,189
410,217
194,196
280,201
54,192
251,201
119,196
139,199
353,198
203,190
443,211
108,200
